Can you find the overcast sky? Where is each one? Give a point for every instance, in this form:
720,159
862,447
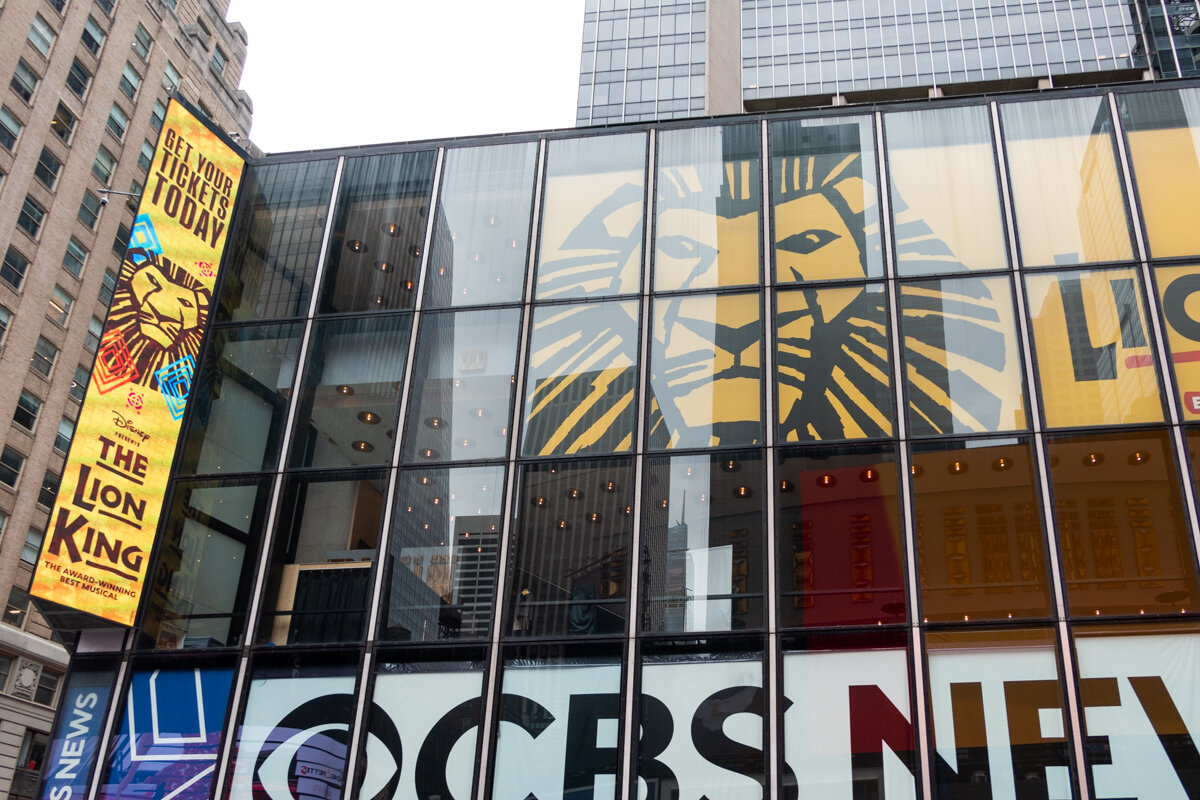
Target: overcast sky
334,73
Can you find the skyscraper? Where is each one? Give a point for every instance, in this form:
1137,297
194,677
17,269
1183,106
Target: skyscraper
79,117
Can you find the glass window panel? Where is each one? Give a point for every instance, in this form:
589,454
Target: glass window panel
1163,132
559,728
997,713
711,703
463,386
1122,529
848,731
379,230
241,402
841,558
207,553
352,382
582,379
824,200
276,241
963,368
1070,208
294,737
481,231
706,371
1180,306
571,552
591,241
170,733
703,571
439,578
706,230
422,708
1096,323
979,532
833,364
328,535
945,198
1140,708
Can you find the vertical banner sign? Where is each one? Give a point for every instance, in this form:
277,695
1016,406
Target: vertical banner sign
73,749
95,554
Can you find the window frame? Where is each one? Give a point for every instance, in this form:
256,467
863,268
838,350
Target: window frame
45,35
29,406
79,383
142,37
25,85
41,358
8,457
104,165
31,217
130,85
7,120
47,168
67,121
10,265
118,122
65,439
70,257
61,303
93,36
94,213
78,79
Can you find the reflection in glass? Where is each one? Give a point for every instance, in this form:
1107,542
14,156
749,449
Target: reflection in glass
1090,336
841,550
351,396
274,247
1138,692
378,232
481,232
706,230
849,729
206,558
555,711
962,364
241,399
1179,301
1163,131
706,371
833,363
980,542
703,570
582,379
294,737
435,704
570,565
591,241
1122,529
319,585
440,574
977,681
1066,186
463,386
945,198
717,702
826,212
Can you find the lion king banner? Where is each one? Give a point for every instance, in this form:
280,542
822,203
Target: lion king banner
97,547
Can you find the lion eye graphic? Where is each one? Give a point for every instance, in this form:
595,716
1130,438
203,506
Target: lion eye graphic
183,301
677,246
153,279
808,241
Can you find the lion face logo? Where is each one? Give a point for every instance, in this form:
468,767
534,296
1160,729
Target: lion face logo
165,309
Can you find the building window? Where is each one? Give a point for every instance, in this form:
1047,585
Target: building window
31,217
93,36
204,110
49,489
121,240
79,383
16,608
105,161
158,115
74,257
24,81
142,42
78,79
41,35
60,306
62,439
47,688
89,210
219,60
118,121
63,123
95,329
107,287
47,169
11,462
44,354
33,545
107,5
5,668
28,407
10,128
5,316
130,81
59,5
171,77
13,268
146,156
